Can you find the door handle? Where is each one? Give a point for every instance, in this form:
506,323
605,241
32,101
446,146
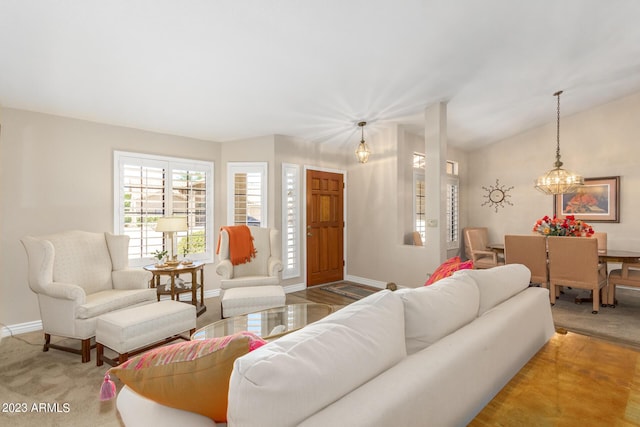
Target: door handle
309,231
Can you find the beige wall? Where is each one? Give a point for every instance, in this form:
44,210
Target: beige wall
306,155
57,174
599,142
380,204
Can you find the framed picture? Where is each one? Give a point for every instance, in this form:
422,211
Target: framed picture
597,201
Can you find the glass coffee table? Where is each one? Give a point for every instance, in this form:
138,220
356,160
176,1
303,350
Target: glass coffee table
267,324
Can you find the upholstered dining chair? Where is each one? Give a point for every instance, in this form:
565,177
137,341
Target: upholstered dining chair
531,251
263,269
417,239
573,261
78,276
628,275
476,239
601,238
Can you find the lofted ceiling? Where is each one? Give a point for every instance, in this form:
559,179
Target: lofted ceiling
226,70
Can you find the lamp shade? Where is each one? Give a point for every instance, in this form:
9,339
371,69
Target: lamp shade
362,152
172,224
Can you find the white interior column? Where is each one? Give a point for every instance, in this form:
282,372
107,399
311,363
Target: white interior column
435,141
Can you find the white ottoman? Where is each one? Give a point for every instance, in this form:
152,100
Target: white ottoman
248,299
137,329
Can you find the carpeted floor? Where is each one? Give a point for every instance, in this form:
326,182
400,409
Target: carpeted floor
71,388
620,324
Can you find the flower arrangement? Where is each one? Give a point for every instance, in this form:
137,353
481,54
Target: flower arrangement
570,226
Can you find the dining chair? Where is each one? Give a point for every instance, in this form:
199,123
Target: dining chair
479,253
573,262
417,239
601,238
628,275
531,251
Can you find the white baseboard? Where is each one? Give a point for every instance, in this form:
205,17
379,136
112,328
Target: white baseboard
295,288
365,281
21,328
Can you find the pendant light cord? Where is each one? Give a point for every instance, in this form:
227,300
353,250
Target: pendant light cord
558,162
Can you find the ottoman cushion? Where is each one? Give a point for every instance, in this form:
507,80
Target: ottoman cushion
237,301
136,327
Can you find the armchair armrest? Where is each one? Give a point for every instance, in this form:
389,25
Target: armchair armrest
274,266
481,252
625,268
66,291
131,279
225,269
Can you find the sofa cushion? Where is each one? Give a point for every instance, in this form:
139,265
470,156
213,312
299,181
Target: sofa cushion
498,284
435,311
317,365
447,268
192,376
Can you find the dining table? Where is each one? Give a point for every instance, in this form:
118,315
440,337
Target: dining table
616,256
605,256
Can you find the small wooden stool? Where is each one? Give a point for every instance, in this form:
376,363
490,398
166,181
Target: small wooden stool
137,329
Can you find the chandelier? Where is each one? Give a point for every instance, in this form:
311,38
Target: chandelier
558,180
362,152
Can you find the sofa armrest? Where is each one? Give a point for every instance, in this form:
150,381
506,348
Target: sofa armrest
66,291
274,266
225,269
131,279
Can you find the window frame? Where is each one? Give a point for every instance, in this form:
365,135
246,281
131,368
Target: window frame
453,236
234,168
418,165
169,164
291,240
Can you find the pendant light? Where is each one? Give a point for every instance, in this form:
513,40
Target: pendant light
362,152
558,180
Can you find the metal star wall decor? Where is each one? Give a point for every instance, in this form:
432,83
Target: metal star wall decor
497,195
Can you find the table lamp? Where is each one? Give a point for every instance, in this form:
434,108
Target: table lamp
169,225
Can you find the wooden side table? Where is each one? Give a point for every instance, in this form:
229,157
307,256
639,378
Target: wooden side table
175,292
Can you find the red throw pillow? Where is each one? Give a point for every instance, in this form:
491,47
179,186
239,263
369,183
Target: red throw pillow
447,268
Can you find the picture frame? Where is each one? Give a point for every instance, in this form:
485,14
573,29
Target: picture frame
597,201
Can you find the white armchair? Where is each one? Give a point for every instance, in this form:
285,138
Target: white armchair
78,276
264,269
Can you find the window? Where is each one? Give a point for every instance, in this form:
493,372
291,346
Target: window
419,196
419,161
247,194
452,213
147,187
290,220
452,167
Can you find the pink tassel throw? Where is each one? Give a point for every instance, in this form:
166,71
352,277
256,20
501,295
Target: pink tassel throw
108,389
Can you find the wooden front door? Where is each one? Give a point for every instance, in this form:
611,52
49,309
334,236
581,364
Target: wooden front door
325,227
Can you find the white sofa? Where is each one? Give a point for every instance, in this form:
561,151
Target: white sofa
433,356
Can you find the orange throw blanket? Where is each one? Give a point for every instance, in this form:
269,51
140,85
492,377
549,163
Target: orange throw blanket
241,248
